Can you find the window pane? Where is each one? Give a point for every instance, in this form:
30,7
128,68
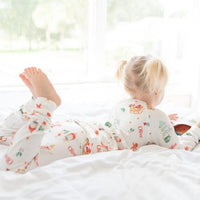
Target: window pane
50,34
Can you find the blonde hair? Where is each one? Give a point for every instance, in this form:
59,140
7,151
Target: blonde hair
142,73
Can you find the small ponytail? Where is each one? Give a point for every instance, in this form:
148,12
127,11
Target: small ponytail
120,69
155,75
142,74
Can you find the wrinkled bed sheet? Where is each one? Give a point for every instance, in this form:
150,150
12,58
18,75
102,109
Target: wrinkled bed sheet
152,172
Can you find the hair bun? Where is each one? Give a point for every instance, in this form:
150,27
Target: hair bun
156,74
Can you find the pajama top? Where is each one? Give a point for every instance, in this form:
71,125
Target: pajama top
137,125
34,141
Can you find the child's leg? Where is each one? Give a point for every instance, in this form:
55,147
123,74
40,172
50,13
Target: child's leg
65,140
31,76
11,124
17,119
26,142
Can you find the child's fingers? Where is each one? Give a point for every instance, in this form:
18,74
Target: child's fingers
173,117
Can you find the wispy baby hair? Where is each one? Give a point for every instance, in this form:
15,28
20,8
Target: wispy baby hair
142,74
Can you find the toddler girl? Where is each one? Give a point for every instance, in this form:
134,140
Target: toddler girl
33,141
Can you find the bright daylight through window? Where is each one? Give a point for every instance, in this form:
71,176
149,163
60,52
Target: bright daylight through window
82,40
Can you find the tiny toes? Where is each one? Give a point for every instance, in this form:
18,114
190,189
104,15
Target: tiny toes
27,72
34,70
21,76
39,70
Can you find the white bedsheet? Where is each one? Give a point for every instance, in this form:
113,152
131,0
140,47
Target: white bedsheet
152,172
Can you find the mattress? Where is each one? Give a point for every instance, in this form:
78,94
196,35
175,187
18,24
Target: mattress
152,172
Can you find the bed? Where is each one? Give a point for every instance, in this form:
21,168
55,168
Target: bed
152,172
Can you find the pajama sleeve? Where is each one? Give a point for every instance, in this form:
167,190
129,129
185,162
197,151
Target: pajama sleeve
25,146
167,137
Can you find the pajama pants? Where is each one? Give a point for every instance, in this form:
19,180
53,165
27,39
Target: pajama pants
34,141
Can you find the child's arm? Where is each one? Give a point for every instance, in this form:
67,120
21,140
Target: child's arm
167,136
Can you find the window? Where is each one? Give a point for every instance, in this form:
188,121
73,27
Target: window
168,29
82,40
50,34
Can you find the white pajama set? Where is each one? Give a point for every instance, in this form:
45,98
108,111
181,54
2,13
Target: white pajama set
34,141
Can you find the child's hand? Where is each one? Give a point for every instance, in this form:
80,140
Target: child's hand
198,124
173,117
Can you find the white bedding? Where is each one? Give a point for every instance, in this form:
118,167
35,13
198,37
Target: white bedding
152,172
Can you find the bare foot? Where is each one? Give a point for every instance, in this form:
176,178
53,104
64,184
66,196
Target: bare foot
27,83
41,84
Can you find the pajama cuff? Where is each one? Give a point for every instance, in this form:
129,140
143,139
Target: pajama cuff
44,103
196,130
27,108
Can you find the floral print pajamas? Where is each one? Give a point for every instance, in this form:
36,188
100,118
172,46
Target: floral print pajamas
34,141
